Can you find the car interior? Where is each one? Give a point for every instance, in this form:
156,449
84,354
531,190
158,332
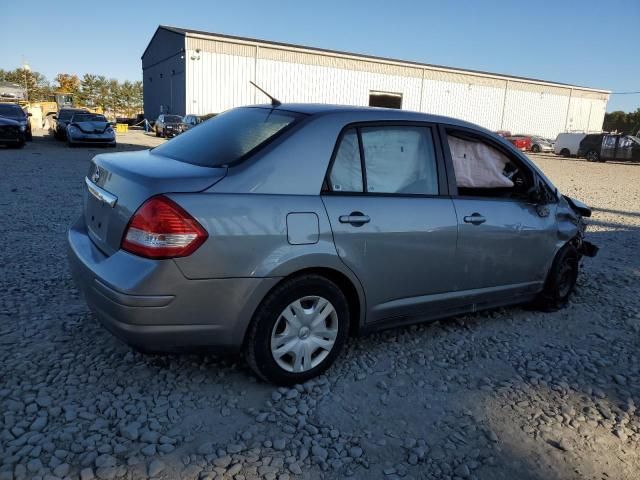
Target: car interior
485,170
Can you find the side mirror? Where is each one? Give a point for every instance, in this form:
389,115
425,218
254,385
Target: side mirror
29,114
55,117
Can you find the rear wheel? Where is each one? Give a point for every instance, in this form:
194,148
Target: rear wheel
560,282
565,152
298,331
592,156
535,148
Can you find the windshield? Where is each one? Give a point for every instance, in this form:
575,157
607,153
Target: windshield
88,117
11,111
228,137
172,119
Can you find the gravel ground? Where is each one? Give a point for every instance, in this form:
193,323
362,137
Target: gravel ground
502,394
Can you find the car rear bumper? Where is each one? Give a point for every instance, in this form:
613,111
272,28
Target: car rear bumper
152,306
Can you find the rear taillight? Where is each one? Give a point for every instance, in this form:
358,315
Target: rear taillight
161,228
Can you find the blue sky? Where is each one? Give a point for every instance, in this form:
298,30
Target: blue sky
590,43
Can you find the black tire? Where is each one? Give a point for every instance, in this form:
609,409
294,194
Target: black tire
560,282
565,152
157,133
535,148
17,145
592,156
257,345
29,137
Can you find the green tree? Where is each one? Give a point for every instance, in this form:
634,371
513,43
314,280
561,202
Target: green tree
87,94
625,122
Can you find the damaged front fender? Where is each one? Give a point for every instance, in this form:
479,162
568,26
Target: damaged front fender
571,225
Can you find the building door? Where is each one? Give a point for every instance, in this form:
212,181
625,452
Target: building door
385,99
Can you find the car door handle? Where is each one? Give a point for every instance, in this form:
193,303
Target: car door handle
475,218
356,219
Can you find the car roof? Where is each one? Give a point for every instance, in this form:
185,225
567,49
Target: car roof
368,113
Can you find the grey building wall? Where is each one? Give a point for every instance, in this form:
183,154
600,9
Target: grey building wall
163,70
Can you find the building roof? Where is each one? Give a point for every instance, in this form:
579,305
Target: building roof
186,31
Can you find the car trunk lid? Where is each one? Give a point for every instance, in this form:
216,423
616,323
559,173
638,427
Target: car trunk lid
117,184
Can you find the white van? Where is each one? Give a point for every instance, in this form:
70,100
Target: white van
567,144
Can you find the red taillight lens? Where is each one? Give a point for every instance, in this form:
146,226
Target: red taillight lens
162,229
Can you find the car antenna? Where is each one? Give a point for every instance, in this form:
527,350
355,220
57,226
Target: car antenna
274,101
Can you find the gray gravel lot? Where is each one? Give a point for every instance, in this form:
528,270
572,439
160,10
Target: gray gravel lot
498,395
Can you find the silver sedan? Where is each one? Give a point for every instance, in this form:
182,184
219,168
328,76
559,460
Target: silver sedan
279,231
90,128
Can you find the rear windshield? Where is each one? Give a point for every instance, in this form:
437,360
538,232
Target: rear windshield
228,137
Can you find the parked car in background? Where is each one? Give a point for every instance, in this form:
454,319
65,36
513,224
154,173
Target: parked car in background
540,145
602,147
191,121
567,144
503,133
12,133
281,230
62,119
13,111
521,142
90,128
168,126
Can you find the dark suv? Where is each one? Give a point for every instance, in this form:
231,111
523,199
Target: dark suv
62,119
169,125
16,113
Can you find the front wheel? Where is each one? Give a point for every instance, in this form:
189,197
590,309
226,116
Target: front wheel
561,281
298,331
592,156
535,149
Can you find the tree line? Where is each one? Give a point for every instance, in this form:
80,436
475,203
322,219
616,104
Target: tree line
625,122
91,91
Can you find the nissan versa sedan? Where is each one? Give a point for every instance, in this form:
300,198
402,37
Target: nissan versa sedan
278,231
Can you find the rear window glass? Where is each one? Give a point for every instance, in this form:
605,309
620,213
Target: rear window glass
228,137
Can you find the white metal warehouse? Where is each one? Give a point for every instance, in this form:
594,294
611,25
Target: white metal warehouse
187,71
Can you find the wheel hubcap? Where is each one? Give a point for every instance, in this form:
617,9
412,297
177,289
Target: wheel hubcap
304,334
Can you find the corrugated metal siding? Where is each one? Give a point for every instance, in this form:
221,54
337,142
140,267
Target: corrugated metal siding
322,84
164,44
164,88
219,80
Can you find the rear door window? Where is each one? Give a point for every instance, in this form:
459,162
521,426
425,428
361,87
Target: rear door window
385,160
400,159
229,137
346,174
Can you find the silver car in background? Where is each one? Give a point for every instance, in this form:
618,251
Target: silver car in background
541,145
90,128
278,231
